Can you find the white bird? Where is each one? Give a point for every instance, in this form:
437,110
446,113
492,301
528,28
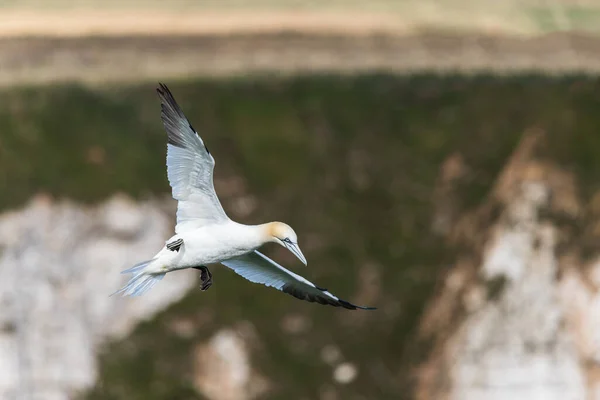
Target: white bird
205,235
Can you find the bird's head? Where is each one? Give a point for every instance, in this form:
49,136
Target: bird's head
283,234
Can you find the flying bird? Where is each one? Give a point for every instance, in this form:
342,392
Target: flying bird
205,235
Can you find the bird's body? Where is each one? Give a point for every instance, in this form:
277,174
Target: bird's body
205,234
210,244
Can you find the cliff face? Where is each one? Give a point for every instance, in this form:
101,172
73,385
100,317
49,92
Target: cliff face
517,315
418,195
58,264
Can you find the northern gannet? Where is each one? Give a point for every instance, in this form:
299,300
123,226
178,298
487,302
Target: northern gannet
205,235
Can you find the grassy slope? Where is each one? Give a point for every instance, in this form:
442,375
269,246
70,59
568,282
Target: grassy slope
351,163
509,16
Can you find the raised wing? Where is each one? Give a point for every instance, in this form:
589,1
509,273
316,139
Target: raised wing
258,268
189,168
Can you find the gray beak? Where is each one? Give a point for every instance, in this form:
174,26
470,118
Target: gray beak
293,247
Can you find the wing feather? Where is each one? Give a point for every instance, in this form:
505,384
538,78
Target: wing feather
258,268
189,168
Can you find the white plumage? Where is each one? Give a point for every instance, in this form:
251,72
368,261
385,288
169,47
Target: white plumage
205,235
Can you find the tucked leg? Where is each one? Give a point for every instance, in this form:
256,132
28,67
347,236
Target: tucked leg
205,277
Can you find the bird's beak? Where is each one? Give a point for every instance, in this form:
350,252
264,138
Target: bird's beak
293,247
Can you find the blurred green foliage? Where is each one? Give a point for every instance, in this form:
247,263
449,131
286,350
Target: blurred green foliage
350,162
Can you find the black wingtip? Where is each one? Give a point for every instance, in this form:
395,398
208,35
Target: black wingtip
350,306
163,90
169,105
346,304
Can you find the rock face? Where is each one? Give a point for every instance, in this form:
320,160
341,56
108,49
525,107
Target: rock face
59,262
517,317
222,368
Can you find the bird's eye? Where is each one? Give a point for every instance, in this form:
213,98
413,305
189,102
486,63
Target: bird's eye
287,240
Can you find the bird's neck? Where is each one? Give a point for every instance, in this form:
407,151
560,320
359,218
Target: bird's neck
266,232
257,235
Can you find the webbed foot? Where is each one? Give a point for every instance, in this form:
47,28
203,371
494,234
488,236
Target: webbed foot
205,277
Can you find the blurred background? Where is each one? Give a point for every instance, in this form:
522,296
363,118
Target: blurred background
438,159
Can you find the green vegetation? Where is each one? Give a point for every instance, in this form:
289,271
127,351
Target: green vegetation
565,18
350,162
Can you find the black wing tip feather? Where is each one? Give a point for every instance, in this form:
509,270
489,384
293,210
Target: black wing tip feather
163,90
325,300
351,306
167,97
170,110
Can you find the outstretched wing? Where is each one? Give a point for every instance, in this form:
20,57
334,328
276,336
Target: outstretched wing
189,168
258,268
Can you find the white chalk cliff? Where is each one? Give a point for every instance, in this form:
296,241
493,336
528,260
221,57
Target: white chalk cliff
59,262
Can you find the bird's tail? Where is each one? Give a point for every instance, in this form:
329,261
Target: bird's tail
141,281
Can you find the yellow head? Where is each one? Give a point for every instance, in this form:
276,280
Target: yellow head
284,235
